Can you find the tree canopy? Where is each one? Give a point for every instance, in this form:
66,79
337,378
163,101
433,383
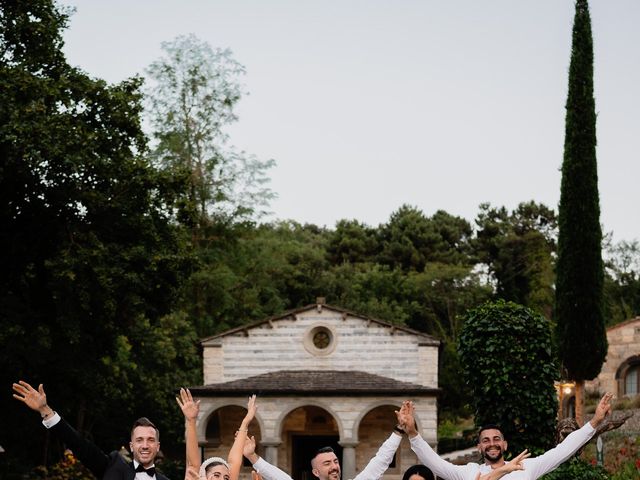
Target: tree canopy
91,260
191,99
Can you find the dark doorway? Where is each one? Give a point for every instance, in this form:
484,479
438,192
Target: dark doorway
304,447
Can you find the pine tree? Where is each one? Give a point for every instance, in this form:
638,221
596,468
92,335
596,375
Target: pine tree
579,276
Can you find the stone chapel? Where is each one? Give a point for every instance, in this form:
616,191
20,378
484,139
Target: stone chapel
324,376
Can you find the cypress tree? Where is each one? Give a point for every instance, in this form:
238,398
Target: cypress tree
579,276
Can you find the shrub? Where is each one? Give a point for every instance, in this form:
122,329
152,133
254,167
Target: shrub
507,358
69,468
576,469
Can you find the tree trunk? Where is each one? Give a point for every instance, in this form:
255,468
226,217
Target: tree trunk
579,389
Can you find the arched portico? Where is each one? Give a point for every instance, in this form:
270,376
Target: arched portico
217,424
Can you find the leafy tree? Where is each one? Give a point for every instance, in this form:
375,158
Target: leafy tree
91,261
518,249
507,359
579,275
370,289
443,293
253,272
410,239
352,242
194,93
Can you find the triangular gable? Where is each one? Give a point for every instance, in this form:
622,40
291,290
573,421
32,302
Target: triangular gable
291,314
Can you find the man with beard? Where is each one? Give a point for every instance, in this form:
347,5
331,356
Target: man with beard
144,444
492,446
325,464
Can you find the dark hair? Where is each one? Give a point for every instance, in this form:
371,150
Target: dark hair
421,470
322,450
490,426
145,422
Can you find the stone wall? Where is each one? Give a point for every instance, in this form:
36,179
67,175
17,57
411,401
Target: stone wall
358,344
624,342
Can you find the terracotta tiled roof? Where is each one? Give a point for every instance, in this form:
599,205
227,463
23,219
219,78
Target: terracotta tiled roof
425,338
315,382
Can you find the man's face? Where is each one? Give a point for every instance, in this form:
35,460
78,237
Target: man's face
492,446
326,466
144,445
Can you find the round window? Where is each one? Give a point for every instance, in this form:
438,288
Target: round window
320,340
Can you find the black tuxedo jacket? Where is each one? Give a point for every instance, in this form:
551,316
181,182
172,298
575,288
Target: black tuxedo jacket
105,467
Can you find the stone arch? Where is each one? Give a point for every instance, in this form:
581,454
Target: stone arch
301,429
569,406
214,407
374,426
226,426
623,370
302,404
368,409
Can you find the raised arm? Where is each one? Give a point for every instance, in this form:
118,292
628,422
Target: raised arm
190,411
265,470
382,459
551,459
426,455
89,454
235,454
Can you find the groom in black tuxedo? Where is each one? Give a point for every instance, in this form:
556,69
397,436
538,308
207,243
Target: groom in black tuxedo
144,444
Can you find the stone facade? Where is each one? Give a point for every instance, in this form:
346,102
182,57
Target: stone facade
283,344
362,368
623,354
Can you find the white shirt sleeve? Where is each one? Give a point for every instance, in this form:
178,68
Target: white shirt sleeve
439,466
383,458
551,459
268,471
51,421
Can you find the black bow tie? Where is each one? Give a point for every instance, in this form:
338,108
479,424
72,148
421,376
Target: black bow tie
151,471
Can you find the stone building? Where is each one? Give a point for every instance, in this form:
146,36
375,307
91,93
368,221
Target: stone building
323,376
620,372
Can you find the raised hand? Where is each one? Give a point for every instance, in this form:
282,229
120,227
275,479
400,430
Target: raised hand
516,462
252,407
602,410
189,408
249,446
191,473
249,449
406,418
32,398
511,466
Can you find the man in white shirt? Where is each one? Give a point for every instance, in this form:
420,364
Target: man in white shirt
325,464
492,445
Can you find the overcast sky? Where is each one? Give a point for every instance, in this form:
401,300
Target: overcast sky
367,105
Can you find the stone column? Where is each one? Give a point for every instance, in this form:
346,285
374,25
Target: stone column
348,464
271,451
